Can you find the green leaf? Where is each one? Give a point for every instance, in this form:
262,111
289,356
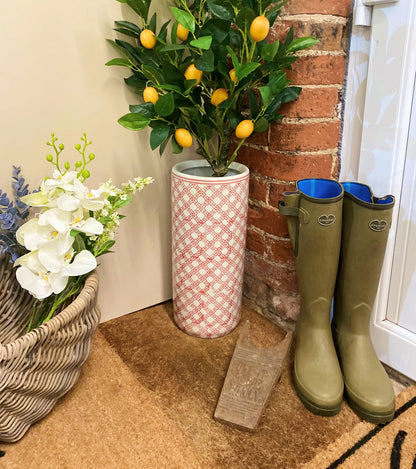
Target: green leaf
126,32
206,62
269,51
244,18
277,82
266,95
170,87
290,94
189,84
135,82
122,202
152,74
254,104
236,39
120,62
221,8
205,131
152,23
261,125
141,7
106,247
236,63
78,244
274,11
234,118
222,68
103,220
165,105
272,108
129,26
203,42
128,50
134,121
289,37
176,148
184,18
159,134
172,75
163,146
170,47
246,69
163,33
145,109
217,28
301,43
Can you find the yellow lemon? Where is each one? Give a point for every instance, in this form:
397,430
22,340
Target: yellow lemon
259,28
244,129
232,75
182,33
150,95
148,39
183,138
218,96
192,73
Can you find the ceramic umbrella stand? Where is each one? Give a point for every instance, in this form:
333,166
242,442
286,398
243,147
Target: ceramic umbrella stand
209,218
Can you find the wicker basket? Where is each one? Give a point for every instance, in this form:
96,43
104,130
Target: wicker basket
39,367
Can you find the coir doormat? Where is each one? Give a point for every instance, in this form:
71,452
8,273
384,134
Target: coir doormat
388,446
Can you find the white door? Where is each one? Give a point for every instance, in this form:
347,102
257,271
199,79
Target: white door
53,79
384,121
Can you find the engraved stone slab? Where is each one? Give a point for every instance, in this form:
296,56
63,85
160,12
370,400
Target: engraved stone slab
250,379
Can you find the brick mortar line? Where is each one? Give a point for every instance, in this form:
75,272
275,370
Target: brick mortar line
264,233
338,86
318,18
290,153
321,53
309,120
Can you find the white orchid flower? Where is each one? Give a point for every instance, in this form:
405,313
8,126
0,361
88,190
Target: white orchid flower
33,277
31,261
62,181
53,256
81,197
40,286
83,263
33,236
64,221
41,283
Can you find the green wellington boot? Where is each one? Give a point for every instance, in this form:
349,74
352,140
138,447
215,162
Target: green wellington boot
366,223
314,217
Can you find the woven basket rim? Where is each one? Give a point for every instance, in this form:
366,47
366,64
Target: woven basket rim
89,290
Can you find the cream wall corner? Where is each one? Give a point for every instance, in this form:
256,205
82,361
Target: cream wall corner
53,79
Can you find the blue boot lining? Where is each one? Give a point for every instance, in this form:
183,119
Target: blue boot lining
319,188
363,192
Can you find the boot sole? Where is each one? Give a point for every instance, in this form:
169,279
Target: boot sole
373,417
314,408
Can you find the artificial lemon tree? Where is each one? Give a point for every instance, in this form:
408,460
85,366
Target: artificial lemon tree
207,74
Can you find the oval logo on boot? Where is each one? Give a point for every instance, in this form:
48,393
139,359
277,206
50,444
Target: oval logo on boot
378,225
326,220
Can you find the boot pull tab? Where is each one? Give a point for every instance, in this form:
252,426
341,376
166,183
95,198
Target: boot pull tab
297,212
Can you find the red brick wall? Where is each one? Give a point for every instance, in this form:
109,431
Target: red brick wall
303,144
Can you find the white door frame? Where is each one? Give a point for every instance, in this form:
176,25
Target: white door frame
375,139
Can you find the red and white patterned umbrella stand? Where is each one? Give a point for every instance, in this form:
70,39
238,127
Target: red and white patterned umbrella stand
209,219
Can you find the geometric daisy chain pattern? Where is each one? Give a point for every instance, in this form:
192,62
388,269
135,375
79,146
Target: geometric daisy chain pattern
208,247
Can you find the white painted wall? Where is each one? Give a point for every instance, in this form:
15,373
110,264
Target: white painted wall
379,150
53,78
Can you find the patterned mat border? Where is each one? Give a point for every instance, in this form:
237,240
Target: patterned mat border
398,441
